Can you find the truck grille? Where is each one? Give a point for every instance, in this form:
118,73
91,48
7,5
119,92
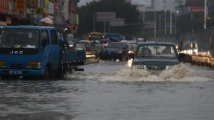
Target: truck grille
16,66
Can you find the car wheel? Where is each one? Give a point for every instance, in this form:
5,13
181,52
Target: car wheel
121,58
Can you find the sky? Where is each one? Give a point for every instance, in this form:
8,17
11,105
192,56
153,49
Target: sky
145,2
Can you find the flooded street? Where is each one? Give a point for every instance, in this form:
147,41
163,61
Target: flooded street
110,90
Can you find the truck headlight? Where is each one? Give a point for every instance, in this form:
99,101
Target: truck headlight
34,65
3,64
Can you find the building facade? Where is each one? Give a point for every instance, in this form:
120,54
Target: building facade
29,12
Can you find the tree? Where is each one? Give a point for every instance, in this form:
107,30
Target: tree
120,7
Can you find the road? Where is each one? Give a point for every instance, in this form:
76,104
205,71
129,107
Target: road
109,90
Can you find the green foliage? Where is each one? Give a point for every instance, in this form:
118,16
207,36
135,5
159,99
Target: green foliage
122,9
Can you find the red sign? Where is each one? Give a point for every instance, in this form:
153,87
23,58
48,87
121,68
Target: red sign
55,7
20,5
4,6
197,9
70,17
71,6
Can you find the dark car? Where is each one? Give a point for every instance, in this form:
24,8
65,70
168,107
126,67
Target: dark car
156,56
117,50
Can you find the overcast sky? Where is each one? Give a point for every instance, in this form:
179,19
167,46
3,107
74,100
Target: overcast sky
145,2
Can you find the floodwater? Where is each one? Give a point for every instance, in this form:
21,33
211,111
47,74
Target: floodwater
112,91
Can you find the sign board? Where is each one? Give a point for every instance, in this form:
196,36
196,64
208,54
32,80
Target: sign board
71,6
33,3
149,24
197,9
21,5
168,25
46,7
4,6
8,20
117,22
105,16
38,11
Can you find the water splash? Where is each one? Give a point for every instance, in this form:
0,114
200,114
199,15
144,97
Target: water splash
180,72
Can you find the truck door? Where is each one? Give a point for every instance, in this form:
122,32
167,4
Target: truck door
55,50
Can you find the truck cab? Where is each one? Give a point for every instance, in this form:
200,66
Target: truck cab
29,51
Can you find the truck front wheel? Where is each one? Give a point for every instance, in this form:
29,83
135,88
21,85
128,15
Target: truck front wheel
46,76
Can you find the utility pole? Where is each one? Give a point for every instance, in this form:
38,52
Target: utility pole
165,22
94,21
159,22
155,26
205,14
104,23
170,17
109,28
175,21
143,22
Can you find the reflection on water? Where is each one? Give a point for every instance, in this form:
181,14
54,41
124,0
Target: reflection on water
180,72
127,94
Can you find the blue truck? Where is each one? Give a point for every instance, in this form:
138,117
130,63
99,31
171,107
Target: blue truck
110,36
36,51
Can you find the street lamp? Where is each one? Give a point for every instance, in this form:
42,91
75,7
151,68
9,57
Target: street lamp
176,20
205,14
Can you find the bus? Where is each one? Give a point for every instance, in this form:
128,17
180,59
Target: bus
95,36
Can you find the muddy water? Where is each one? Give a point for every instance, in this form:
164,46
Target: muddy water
111,91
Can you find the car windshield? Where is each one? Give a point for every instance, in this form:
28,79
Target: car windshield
19,38
115,45
156,51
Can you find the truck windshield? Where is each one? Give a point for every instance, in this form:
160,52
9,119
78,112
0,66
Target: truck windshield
154,51
20,38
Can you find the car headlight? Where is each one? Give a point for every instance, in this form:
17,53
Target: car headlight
33,65
130,51
3,64
119,51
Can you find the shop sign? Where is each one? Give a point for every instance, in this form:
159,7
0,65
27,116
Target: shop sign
8,20
4,6
56,7
70,17
71,6
51,8
38,11
33,3
46,6
21,5
197,9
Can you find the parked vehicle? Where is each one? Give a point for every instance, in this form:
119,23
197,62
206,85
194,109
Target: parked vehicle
89,45
35,52
156,56
117,50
